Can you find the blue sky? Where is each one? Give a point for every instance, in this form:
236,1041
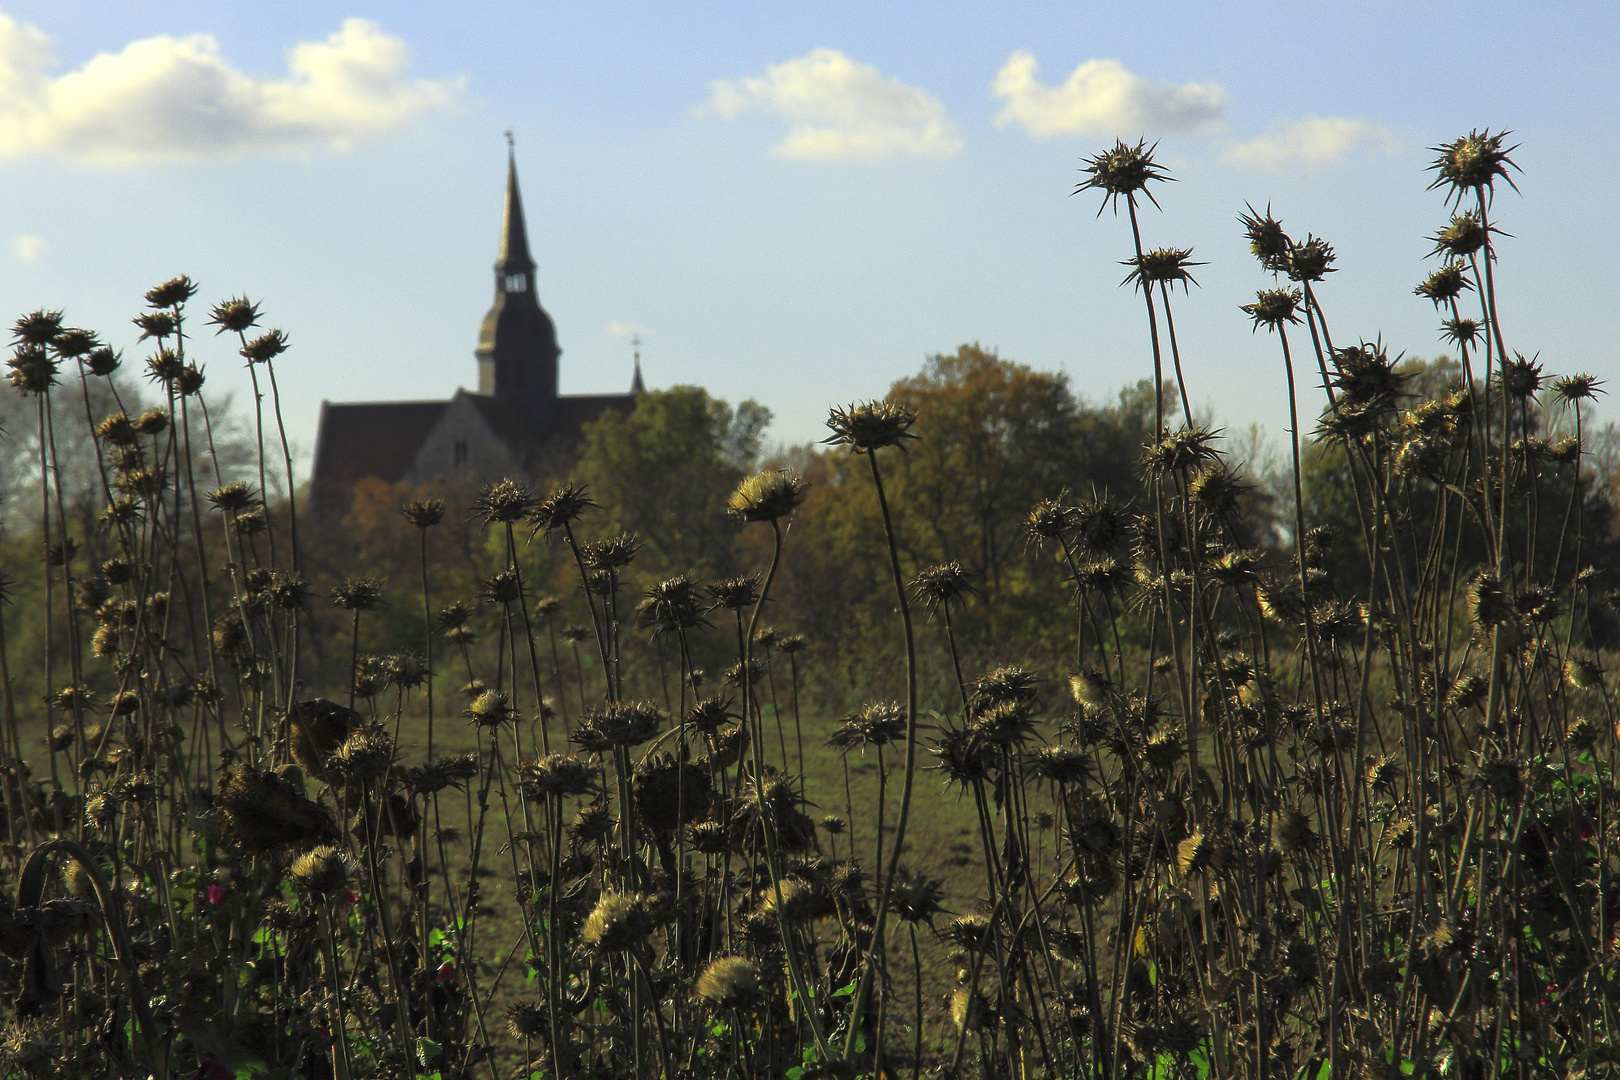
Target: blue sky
795,205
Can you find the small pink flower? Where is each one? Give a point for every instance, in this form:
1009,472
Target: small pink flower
446,972
217,894
348,899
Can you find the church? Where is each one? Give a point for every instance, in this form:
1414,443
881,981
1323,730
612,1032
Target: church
516,418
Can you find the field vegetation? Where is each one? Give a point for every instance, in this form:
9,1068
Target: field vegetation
1004,734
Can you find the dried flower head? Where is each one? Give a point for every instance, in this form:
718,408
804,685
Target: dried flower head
1274,307
625,723
1445,284
33,371
612,553
102,362
1267,241
321,872
357,594
735,593
70,344
235,315
617,923
261,811
424,513
1472,164
1161,266
503,502
233,498
1311,260
264,348
560,509
491,709
937,585
1188,448
155,324
1124,171
673,605
1463,235
172,293
1521,378
767,496
38,327
877,725
1572,388
730,982
871,425
557,775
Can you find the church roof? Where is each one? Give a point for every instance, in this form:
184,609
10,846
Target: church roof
373,438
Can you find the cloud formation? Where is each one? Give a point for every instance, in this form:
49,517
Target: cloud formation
1304,144
169,98
28,248
837,108
1100,97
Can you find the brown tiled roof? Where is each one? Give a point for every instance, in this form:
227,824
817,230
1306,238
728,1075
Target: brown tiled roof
363,439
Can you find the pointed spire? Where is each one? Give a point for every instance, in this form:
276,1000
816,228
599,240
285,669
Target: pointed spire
636,385
514,257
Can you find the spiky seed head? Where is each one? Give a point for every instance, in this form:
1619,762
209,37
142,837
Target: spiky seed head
525,1021
1167,266
38,327
613,553
264,348
793,644
1188,448
1293,831
33,371
1583,673
1122,172
424,513
505,587
1311,260
669,794
1049,519
232,498
1463,235
1578,387
503,502
1090,688
833,824
871,425
560,509
1473,163
491,709
172,293
235,315
152,422
1462,332
102,362
937,585
321,872
1273,308
365,756
619,921
357,594
558,775
70,344
1521,378
1467,691
730,982
155,324
735,593
707,714
767,496
1267,241
1445,284
877,724
1059,765
673,605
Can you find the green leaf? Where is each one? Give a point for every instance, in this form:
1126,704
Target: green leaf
427,1051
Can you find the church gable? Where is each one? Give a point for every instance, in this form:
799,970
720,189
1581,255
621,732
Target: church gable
465,445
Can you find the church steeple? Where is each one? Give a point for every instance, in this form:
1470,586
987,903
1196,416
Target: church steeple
514,258
517,344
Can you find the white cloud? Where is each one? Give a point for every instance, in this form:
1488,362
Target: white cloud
1304,144
28,248
622,329
838,108
178,98
1100,97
